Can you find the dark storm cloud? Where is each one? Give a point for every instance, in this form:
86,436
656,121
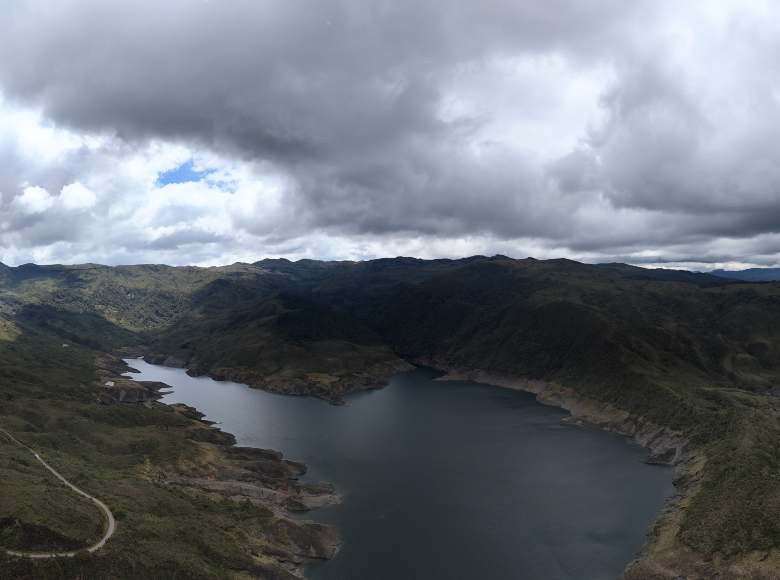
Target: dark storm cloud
361,105
280,79
343,94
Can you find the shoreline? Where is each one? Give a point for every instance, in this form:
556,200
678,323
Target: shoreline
661,555
237,473
332,391
667,447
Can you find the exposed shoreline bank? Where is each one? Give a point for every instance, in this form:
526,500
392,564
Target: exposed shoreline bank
238,474
205,392
663,554
665,447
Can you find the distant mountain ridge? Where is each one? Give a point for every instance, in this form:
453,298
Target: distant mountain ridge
750,274
688,353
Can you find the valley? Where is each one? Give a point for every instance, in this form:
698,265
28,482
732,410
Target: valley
460,479
686,363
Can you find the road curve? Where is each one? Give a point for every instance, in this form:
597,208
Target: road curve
110,521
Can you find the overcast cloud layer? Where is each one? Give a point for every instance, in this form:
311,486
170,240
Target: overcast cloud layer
644,132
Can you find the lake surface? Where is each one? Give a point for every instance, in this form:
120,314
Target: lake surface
449,480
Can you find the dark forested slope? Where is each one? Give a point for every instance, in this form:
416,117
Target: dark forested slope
689,352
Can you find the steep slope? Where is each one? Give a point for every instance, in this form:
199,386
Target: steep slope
266,337
164,473
686,352
664,355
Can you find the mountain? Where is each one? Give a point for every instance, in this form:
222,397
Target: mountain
750,275
688,363
183,495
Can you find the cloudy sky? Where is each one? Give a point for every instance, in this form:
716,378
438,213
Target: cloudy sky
206,132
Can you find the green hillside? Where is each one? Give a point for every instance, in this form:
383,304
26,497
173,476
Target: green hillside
692,353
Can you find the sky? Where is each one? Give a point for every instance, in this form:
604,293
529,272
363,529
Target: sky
204,132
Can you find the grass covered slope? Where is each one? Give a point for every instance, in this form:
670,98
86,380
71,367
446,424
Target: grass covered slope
695,356
242,322
690,353
138,459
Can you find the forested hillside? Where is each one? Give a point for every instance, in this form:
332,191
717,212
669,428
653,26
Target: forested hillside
691,353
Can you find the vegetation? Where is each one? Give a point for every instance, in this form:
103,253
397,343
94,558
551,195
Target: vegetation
691,352
121,454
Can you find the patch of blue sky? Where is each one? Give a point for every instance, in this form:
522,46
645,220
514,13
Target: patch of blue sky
184,173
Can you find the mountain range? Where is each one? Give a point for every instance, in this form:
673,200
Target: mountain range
750,275
688,363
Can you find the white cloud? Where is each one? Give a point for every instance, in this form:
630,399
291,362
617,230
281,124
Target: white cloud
638,131
34,200
76,196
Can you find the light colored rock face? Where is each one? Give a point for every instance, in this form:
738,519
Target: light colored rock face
263,477
278,499
119,389
128,391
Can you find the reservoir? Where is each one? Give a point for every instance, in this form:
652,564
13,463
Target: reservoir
449,480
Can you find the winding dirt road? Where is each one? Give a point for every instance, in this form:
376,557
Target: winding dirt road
110,521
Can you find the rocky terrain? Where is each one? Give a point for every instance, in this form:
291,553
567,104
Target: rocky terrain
225,472
188,502
686,363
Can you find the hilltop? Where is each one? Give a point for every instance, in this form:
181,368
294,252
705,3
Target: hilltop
668,356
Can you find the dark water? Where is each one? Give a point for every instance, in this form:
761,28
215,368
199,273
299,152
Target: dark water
450,481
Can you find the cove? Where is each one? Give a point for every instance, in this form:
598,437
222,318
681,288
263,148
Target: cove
449,480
